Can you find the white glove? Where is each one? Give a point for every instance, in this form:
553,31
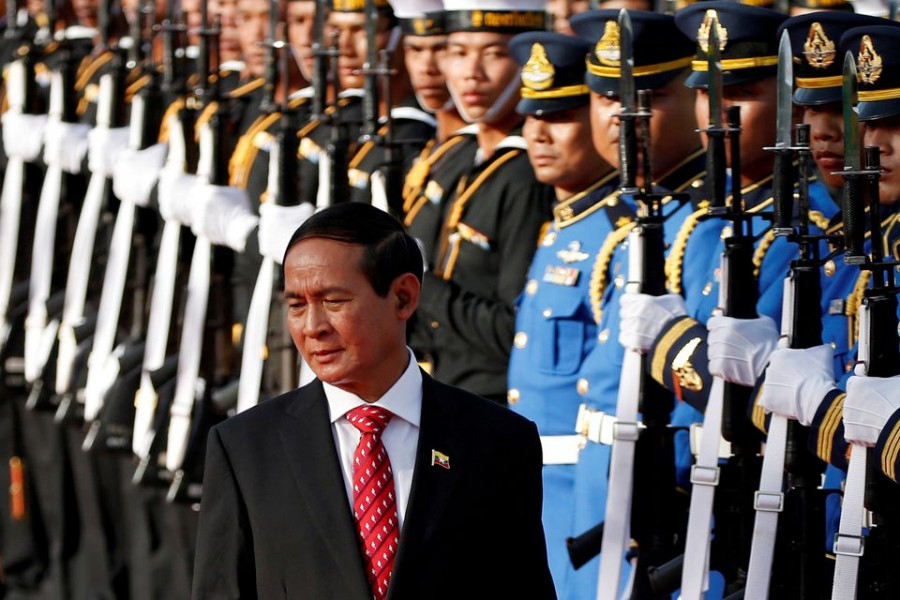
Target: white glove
23,135
175,189
277,225
222,213
136,171
797,382
643,316
104,145
738,349
870,402
65,144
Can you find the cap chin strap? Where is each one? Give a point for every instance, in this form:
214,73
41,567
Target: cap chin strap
496,110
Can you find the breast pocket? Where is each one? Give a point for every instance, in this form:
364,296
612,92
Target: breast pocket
560,329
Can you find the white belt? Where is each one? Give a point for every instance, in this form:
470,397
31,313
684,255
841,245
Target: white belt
602,428
561,449
696,433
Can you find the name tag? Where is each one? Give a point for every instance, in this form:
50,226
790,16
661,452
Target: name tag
557,275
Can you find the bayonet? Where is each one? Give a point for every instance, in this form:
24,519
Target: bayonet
784,152
627,137
715,132
852,200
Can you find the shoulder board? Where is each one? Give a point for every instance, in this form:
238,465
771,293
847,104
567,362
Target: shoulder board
247,88
513,141
413,114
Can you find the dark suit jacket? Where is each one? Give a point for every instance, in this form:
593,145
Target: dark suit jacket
275,520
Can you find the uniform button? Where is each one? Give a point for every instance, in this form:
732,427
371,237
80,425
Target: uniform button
521,340
435,324
583,386
512,396
697,183
726,232
548,312
603,336
620,281
833,345
532,287
707,289
830,268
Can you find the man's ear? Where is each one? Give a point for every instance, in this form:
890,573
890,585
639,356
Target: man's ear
406,290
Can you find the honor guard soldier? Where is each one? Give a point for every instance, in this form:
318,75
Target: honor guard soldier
495,213
661,57
554,325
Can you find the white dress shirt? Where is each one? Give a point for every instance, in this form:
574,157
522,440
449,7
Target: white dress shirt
400,437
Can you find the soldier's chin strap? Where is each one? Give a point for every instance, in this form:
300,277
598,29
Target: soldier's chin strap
496,109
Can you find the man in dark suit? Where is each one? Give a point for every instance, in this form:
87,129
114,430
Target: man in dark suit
458,494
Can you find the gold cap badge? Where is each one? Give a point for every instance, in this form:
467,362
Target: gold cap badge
607,48
868,64
703,32
818,49
538,72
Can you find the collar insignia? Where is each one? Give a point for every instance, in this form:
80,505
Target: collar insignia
703,32
818,49
607,48
868,64
538,72
573,253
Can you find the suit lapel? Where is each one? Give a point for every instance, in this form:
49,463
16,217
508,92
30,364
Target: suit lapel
310,449
432,486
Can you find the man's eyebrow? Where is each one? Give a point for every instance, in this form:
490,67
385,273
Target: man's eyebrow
318,293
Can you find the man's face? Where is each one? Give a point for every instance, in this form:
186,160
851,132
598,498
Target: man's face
253,28
342,328
301,16
423,55
560,150
561,10
885,133
229,38
350,28
86,12
191,10
672,126
758,111
479,68
826,140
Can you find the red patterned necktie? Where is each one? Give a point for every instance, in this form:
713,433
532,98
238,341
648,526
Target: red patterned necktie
374,501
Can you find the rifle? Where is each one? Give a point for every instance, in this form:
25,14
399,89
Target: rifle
337,184
204,354
639,507
878,356
800,536
113,423
728,403
281,189
75,338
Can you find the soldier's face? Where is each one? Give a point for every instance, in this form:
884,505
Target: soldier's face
423,55
672,126
561,10
345,332
885,133
560,150
758,110
826,140
229,38
350,28
253,27
479,69
301,16
85,12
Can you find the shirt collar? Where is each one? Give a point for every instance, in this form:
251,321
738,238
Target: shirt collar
403,399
